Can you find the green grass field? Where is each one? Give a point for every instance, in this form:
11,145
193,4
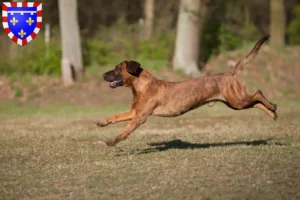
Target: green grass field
211,153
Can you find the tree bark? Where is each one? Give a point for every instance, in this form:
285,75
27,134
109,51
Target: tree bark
187,44
149,18
278,22
70,36
247,15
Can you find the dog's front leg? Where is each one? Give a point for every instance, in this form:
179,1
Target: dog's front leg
130,127
116,118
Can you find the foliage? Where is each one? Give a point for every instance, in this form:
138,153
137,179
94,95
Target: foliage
32,59
228,41
111,46
294,27
209,38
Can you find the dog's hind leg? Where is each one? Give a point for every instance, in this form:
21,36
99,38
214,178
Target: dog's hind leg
273,114
258,96
241,100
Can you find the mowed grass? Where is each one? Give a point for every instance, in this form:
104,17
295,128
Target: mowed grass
210,153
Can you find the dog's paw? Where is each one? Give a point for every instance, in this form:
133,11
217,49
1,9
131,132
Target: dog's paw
274,107
110,143
275,116
101,123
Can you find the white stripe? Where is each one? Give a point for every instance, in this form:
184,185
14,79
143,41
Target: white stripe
7,4
4,13
29,38
39,19
13,12
19,4
5,25
36,30
30,4
11,35
19,41
39,7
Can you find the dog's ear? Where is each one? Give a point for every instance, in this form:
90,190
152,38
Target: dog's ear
133,67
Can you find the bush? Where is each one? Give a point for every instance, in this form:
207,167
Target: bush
32,59
228,41
111,46
294,27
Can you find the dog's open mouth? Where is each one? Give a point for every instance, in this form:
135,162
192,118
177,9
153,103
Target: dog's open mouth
114,84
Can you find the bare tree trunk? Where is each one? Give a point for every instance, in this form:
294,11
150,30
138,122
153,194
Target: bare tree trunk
67,72
247,15
187,45
70,36
149,18
47,39
278,22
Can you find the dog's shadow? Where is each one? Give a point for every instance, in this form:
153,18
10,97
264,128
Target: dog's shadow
179,144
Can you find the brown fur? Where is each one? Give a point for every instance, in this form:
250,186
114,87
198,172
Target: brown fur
152,96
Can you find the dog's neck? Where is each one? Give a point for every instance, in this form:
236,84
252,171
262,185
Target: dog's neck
143,81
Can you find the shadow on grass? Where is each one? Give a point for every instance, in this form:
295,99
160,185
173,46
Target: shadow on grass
179,144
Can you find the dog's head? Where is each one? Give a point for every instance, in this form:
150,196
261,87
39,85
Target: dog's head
123,74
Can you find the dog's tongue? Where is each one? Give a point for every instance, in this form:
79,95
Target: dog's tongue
113,83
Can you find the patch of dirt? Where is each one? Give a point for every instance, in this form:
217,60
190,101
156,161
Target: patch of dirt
6,92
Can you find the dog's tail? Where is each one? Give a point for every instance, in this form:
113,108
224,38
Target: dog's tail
250,56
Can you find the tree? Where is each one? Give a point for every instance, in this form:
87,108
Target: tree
278,22
149,18
187,44
71,63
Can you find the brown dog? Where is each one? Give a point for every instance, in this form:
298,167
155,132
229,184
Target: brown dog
170,99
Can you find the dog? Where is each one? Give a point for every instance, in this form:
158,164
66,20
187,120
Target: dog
152,96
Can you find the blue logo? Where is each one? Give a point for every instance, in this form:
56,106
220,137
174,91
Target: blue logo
22,21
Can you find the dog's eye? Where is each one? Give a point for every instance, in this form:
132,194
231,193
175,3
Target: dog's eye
117,69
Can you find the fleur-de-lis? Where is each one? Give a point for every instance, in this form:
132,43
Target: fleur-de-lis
14,21
22,33
29,21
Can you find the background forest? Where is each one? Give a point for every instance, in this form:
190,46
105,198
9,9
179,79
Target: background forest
178,36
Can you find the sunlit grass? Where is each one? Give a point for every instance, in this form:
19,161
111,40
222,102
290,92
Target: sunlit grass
57,152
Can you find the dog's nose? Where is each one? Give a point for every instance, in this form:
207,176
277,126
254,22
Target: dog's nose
104,75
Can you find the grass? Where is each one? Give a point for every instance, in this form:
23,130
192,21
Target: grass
210,153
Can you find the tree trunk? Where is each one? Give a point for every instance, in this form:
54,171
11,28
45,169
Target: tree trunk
247,15
71,46
278,22
149,18
187,44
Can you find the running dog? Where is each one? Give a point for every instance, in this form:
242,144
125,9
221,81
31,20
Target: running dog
152,96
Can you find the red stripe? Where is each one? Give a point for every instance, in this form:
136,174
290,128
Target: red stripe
36,4
39,13
7,30
15,39
4,7
13,4
33,35
24,42
24,4
4,19
39,24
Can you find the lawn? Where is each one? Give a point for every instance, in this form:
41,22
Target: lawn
58,152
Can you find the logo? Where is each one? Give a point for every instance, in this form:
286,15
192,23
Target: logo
22,21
